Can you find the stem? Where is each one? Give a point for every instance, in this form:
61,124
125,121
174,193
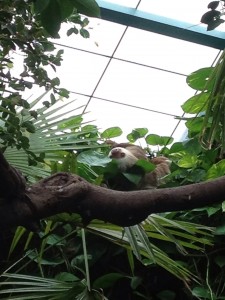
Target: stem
86,259
207,280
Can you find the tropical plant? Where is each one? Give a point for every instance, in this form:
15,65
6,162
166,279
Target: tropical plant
161,258
63,142
25,30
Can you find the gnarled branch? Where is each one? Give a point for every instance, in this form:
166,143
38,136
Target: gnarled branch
64,192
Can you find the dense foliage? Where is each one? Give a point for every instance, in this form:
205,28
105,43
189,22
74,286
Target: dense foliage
170,256
26,27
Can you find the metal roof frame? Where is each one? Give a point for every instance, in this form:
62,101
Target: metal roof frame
161,25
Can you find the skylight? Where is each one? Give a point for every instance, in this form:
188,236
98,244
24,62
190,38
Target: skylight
133,78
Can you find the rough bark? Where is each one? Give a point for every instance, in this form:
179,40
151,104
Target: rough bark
64,192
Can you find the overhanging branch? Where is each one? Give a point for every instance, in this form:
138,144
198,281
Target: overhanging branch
64,192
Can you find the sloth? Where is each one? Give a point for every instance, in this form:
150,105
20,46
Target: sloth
126,155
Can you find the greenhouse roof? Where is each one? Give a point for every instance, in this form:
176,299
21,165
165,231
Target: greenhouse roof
132,71
139,16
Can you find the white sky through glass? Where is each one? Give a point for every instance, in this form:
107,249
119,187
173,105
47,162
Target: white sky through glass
141,69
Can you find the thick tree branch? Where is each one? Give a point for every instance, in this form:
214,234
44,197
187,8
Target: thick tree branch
64,192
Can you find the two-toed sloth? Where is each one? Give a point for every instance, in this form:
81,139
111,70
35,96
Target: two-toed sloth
126,155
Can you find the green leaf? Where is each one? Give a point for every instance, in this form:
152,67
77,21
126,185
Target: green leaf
73,122
55,81
71,31
136,134
176,147
66,8
198,79
220,230
135,282
192,146
89,8
24,112
153,139
51,18
84,33
134,178
166,140
201,292
196,104
212,210
93,158
223,206
145,165
141,131
111,132
197,175
33,114
220,260
29,126
217,170
195,124
53,99
46,104
40,5
166,295
50,262
188,161
64,93
107,280
25,142
65,276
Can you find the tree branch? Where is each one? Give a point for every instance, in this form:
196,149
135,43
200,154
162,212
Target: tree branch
64,192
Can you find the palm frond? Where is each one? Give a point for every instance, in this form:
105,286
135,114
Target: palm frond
142,240
22,287
56,131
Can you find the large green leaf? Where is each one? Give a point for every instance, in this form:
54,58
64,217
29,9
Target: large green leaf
51,17
154,139
136,134
188,161
195,124
107,280
89,8
217,170
196,104
199,79
111,132
93,158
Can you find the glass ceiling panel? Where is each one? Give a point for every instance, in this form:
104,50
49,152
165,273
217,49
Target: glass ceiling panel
80,71
141,74
104,36
141,89
144,87
164,52
128,118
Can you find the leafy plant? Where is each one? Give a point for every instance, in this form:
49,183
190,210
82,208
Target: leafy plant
208,122
25,28
63,260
